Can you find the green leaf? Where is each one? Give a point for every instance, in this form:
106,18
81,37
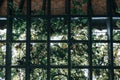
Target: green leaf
85,1
84,21
77,3
118,23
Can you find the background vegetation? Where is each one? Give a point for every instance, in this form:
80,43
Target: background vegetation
59,50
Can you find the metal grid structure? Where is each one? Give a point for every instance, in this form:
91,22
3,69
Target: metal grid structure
106,19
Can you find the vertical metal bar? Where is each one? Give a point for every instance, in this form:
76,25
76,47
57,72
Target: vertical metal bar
8,50
44,5
113,6
89,13
66,6
8,43
48,49
66,11
110,39
21,5
68,19
69,39
48,37
1,1
28,25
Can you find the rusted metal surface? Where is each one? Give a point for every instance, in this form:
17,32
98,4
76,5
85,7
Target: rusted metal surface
58,6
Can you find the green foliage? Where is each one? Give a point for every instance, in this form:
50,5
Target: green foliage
59,74
79,29
116,51
19,29
77,6
59,51
79,54
2,53
14,8
101,74
116,32
2,73
58,28
118,10
18,74
3,34
38,74
38,54
79,74
18,53
38,29
100,54
59,54
85,1
118,23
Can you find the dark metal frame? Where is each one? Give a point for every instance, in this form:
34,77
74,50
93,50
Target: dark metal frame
109,21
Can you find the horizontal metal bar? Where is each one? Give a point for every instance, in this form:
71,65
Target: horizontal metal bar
93,18
64,66
60,41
